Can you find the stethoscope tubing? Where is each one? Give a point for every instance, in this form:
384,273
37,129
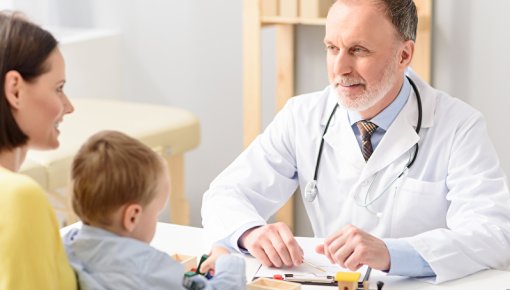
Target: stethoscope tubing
321,146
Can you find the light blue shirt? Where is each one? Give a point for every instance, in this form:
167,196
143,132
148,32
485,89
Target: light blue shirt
385,118
103,260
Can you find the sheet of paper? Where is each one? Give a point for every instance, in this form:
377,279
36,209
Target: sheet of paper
308,246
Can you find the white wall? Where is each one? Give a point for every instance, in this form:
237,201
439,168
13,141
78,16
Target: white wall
472,61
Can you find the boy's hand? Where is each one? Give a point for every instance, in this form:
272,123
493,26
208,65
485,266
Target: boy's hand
216,252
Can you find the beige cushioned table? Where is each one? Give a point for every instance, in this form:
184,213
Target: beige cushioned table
168,130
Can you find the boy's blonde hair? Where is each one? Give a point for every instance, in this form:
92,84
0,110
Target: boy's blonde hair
110,170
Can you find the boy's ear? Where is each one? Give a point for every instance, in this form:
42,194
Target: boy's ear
12,85
131,217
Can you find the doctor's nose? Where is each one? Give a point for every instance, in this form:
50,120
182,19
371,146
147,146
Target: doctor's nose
342,63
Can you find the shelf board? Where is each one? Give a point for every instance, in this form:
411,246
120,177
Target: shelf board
267,20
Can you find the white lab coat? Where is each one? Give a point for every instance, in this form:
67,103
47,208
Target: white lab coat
452,206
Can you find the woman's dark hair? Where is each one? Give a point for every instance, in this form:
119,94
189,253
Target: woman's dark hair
24,47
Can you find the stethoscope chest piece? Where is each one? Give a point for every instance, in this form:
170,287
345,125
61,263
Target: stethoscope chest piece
311,191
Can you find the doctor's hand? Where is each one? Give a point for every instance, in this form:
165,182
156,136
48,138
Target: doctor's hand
273,245
352,248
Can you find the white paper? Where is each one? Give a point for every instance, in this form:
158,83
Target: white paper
308,245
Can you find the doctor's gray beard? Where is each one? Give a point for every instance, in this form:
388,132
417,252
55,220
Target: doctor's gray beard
371,95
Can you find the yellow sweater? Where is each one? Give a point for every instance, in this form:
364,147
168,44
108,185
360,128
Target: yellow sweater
31,251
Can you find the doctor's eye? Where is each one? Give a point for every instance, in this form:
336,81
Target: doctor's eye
332,49
358,50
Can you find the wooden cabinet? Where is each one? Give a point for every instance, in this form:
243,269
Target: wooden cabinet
260,13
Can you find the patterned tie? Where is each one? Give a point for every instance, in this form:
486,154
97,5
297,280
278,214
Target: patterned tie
366,129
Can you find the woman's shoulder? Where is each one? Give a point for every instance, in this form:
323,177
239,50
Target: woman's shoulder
19,189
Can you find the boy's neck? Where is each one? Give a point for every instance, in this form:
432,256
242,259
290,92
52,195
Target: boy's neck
115,225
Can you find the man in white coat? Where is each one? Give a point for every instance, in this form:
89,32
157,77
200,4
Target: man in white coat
407,185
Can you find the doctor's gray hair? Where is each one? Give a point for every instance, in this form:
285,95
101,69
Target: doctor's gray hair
403,15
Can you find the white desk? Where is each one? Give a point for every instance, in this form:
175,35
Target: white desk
172,239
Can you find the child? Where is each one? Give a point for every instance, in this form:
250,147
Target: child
120,186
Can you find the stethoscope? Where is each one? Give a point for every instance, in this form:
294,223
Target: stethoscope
311,190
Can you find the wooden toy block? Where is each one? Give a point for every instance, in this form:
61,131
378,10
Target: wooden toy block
347,280
189,262
272,284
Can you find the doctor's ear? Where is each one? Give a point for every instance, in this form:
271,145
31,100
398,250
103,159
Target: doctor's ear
131,216
406,54
12,85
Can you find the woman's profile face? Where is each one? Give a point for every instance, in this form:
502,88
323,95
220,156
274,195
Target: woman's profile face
43,104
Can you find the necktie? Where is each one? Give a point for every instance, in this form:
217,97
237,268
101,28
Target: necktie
366,129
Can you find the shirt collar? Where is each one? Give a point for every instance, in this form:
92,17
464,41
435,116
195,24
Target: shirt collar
384,119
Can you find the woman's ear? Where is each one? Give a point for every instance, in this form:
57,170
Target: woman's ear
12,85
131,217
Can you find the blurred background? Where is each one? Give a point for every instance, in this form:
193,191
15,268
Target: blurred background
188,53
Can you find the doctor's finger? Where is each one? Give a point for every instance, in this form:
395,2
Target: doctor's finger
321,249
260,254
338,235
331,248
292,246
341,253
353,262
282,250
272,254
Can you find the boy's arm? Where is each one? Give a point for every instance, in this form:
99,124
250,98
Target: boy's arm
230,273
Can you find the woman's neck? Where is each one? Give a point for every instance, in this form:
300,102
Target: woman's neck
13,159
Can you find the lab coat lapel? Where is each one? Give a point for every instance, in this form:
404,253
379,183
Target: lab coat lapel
398,140
401,136
341,138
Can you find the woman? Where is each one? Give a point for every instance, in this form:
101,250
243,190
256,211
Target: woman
32,104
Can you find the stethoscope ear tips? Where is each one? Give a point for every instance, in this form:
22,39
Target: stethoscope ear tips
311,191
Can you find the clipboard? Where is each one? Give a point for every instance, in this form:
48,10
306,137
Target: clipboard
306,275
317,280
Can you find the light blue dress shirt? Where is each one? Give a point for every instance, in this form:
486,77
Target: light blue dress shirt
385,118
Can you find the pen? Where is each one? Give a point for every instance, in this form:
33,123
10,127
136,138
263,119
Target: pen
314,266
305,278
367,274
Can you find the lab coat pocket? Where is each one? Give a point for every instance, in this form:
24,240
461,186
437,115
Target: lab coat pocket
419,206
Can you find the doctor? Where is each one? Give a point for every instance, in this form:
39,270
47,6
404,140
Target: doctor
407,180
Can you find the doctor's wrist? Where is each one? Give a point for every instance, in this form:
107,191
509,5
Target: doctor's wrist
242,238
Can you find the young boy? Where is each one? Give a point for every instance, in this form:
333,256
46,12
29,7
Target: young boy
120,186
